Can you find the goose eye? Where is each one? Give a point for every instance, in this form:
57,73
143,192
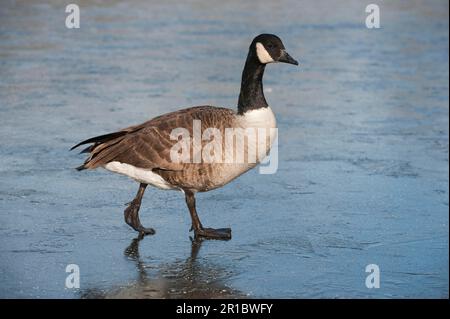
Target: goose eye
270,46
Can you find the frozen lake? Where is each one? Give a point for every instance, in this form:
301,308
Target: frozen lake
363,160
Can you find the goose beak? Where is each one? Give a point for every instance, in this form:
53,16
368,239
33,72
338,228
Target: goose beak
286,58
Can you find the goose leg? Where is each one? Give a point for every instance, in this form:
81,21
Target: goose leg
131,213
199,230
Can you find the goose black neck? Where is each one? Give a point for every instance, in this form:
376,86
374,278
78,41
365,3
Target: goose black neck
252,95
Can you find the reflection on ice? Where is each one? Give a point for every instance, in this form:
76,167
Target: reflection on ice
189,278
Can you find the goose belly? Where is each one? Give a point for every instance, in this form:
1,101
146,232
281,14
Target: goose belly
139,174
205,177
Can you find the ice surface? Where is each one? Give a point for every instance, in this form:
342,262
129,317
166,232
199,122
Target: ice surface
363,172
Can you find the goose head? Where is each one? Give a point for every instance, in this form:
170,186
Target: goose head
269,48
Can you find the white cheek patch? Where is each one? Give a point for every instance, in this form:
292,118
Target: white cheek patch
263,56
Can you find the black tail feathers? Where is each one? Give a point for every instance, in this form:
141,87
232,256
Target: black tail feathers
99,139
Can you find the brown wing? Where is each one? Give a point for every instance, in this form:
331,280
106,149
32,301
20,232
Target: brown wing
148,145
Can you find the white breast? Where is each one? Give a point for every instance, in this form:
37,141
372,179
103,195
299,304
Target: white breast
139,174
262,118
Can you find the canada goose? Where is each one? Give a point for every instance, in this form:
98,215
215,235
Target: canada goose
145,152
